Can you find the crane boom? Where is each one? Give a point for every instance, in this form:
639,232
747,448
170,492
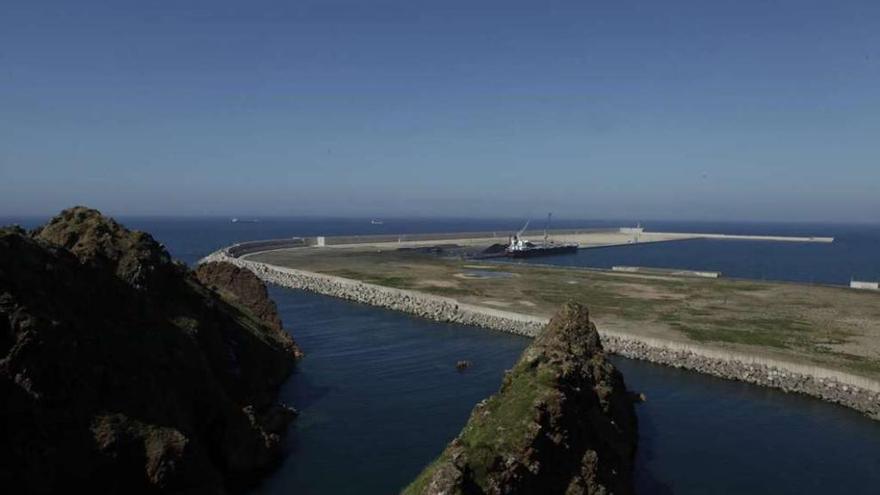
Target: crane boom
520,233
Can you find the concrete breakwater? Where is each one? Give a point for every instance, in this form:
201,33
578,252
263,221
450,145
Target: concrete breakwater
586,238
856,392
738,237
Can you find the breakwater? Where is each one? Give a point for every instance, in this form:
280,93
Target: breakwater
856,392
585,238
429,306
739,237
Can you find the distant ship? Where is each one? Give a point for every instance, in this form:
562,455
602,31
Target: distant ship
521,248
237,220
377,222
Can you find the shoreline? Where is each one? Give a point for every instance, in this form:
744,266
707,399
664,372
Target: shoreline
856,392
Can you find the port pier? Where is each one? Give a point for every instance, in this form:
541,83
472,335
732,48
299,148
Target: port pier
585,238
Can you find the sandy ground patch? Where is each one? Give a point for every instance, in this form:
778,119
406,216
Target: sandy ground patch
646,291
859,346
437,283
501,304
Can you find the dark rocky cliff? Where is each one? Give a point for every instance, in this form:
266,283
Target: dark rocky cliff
121,372
563,422
243,287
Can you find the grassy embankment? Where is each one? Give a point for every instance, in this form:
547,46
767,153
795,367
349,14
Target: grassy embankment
832,327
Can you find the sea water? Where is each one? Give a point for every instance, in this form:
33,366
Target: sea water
380,398
854,254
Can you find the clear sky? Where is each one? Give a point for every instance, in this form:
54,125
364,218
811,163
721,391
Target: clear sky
763,110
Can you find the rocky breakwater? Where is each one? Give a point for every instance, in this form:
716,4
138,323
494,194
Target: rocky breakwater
562,422
428,306
859,393
120,372
852,391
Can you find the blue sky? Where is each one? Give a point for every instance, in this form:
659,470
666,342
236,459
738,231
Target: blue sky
746,110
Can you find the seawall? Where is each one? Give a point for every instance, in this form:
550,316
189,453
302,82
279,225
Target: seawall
856,392
586,238
738,237
429,306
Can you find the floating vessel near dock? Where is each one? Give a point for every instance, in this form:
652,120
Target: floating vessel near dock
522,248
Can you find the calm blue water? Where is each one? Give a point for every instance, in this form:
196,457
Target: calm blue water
699,434
380,397
379,393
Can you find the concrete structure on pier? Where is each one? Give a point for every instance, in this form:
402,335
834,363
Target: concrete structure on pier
856,284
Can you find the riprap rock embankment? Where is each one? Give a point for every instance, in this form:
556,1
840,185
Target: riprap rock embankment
436,308
859,393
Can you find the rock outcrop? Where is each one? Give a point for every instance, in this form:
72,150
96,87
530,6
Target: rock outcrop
121,373
563,422
243,287
101,242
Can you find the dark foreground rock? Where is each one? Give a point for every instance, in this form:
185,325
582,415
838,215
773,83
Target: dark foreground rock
121,373
243,287
563,422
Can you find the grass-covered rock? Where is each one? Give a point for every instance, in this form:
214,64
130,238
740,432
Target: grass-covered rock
562,422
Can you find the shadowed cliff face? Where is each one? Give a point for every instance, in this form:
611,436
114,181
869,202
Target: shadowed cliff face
120,372
244,288
563,422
